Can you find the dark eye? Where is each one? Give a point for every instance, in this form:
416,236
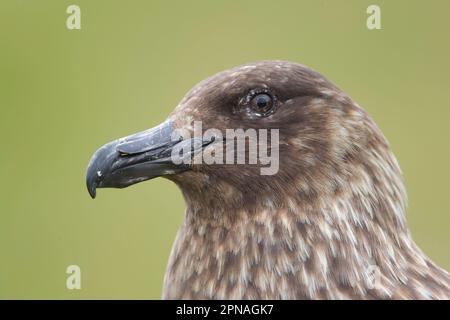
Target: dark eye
262,103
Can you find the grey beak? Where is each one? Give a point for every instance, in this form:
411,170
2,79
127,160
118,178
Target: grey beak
136,158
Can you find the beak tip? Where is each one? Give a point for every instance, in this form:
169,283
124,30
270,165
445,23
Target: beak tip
91,183
92,189
93,194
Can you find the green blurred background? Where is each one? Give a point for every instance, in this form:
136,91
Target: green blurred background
63,93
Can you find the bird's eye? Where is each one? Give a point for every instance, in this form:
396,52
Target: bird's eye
262,103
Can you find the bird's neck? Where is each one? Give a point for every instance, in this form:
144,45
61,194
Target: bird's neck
288,253
352,243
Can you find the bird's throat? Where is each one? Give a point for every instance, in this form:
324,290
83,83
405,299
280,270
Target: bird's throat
279,254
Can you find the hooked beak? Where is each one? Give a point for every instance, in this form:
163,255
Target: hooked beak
139,157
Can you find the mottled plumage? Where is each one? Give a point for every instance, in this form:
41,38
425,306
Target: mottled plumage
329,225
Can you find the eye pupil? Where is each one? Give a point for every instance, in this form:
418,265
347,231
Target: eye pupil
262,102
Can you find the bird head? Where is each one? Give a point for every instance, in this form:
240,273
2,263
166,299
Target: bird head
319,143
